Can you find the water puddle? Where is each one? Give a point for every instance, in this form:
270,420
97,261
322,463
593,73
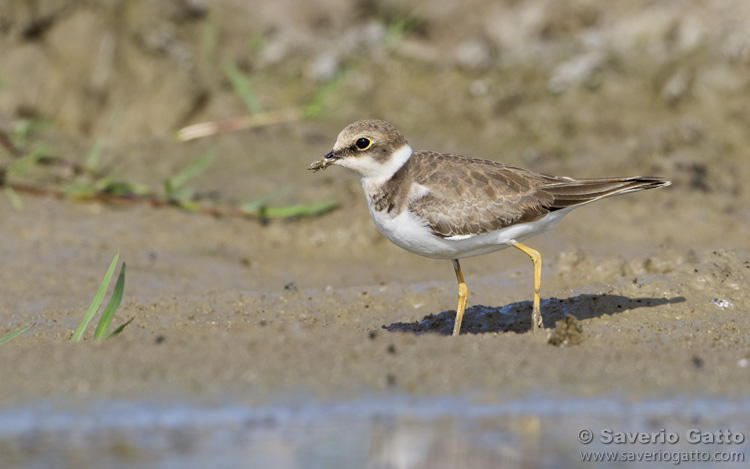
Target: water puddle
382,432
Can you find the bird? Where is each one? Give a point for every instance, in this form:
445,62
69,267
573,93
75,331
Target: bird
449,206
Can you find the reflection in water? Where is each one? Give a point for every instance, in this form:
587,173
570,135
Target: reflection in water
383,432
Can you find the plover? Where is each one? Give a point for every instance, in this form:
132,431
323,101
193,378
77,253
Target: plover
446,206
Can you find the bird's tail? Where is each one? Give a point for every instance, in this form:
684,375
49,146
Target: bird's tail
572,192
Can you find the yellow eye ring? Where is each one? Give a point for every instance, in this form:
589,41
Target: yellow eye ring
363,143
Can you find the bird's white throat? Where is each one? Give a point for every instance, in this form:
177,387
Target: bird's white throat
375,172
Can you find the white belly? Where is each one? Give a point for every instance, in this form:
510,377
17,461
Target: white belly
409,232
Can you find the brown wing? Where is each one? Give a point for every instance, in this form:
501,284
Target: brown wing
476,196
500,195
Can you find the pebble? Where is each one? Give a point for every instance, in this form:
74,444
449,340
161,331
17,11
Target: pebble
721,303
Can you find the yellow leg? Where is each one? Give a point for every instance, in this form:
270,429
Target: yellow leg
463,293
536,259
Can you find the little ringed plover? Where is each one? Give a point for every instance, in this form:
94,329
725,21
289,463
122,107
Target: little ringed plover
446,206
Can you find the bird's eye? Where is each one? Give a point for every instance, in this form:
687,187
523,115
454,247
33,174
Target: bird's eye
363,143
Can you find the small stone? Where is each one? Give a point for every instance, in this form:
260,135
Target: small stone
567,331
721,303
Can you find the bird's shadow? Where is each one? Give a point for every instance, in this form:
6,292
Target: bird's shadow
516,317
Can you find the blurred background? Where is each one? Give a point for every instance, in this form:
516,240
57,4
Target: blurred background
547,79
578,88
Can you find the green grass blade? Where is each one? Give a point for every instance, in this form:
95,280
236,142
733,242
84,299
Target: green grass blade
98,297
398,27
314,107
121,188
81,191
172,184
121,328
21,132
15,201
24,163
242,87
209,37
189,206
92,160
13,335
298,210
257,204
109,312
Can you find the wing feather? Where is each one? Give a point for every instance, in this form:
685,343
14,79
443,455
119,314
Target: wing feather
483,196
466,196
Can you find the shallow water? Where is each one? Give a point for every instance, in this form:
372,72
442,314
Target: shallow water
382,431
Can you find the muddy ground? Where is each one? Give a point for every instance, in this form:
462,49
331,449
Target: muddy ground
324,309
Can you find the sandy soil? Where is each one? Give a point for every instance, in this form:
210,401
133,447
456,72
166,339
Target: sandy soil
324,309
